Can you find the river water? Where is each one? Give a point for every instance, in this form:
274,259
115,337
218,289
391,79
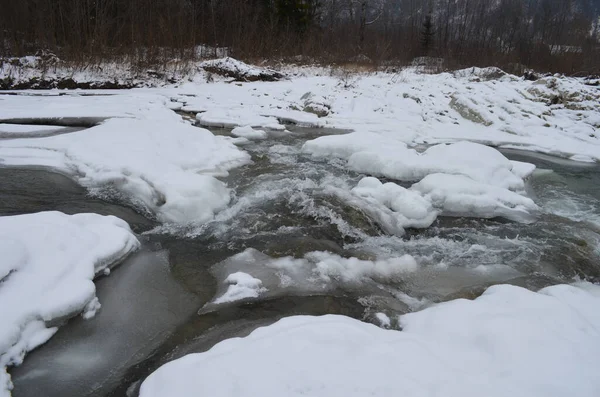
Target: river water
155,306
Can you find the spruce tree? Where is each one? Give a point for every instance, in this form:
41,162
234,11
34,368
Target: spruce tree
427,36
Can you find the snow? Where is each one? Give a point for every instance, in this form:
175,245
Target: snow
459,179
232,118
458,195
393,207
168,167
49,262
249,133
384,320
384,156
509,340
87,109
241,286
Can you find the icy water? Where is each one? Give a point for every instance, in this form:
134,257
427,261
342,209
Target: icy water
155,305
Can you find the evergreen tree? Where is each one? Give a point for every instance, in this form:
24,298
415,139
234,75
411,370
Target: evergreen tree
297,13
427,36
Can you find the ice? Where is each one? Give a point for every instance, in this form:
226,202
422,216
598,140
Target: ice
252,274
508,340
241,286
49,262
169,167
458,195
24,130
330,266
248,133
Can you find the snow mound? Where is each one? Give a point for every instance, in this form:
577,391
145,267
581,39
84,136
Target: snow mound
241,286
458,195
393,207
49,262
230,67
510,339
168,168
381,155
248,133
459,179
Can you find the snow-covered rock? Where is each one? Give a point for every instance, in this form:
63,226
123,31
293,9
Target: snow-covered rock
509,340
461,179
458,195
168,167
248,133
384,156
240,286
392,206
49,261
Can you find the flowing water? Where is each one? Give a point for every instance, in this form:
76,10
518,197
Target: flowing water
156,305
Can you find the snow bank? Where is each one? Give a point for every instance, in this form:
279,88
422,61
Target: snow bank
478,105
49,262
508,341
241,286
167,167
458,195
86,110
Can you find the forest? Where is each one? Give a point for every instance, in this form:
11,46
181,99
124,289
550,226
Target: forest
548,35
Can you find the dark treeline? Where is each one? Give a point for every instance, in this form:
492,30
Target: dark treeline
549,35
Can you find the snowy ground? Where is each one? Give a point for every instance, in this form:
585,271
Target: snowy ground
510,341
46,275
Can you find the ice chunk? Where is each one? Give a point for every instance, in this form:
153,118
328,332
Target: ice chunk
49,262
542,344
168,167
458,195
